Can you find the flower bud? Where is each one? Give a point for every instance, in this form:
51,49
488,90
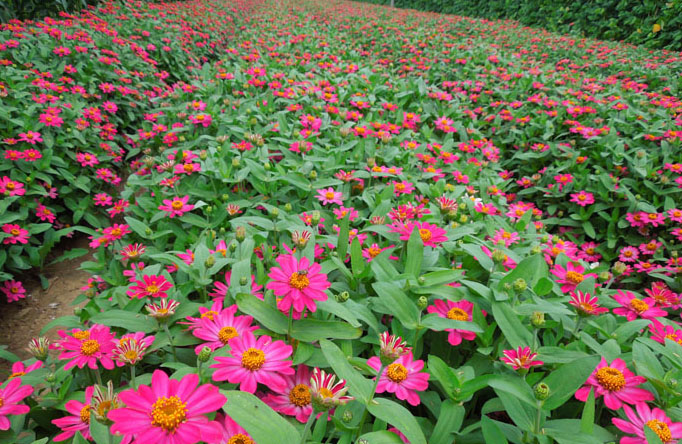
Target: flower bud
240,233
541,391
208,209
253,121
313,175
225,197
316,217
520,285
39,348
498,256
421,280
51,378
371,162
619,268
345,132
347,416
243,280
463,218
203,154
604,276
209,261
536,249
274,212
233,247
235,162
267,166
342,297
537,319
287,207
422,302
204,354
77,311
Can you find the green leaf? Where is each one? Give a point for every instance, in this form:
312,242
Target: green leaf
441,277
564,382
382,437
124,319
398,416
269,316
449,421
646,362
491,432
439,323
71,254
651,436
587,418
443,373
514,331
64,321
415,254
357,262
252,414
515,386
100,433
311,330
531,269
358,386
398,303
343,240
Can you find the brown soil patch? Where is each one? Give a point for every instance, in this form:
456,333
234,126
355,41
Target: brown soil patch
23,320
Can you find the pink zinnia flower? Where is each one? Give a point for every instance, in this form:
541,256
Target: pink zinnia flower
570,276
325,392
176,207
586,304
675,215
31,137
633,307
616,383
628,254
154,286
169,411
102,199
342,212
329,196
14,290
403,377
233,433
255,361
19,369
16,234
520,358
669,432
458,311
201,119
582,198
131,348
431,235
220,329
506,237
297,283
11,187
11,396
660,332
295,399
78,421
86,347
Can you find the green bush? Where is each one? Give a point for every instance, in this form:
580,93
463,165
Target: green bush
631,21
37,9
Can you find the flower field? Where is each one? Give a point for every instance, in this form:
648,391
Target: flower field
333,222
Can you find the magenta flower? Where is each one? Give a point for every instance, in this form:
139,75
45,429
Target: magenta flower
403,377
431,234
329,196
11,187
19,369
31,137
582,198
616,383
176,207
669,432
11,396
509,238
570,276
633,307
201,119
154,286
16,234
458,311
86,347
586,304
327,393
233,433
169,411
131,348
255,361
222,328
14,290
78,421
520,358
297,283
660,332
295,399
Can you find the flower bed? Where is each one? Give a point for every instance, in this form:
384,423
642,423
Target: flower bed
354,228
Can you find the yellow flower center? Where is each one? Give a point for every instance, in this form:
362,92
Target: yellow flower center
582,197
299,281
152,289
611,379
10,186
300,395
116,231
253,359
639,305
240,438
374,252
15,232
586,307
400,186
82,335
661,429
131,355
209,314
89,347
396,373
168,413
425,234
227,333
85,414
14,290
574,277
457,314
326,393
653,216
177,205
329,195
15,375
103,408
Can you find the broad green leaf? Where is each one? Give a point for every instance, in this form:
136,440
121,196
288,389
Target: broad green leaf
651,436
358,386
439,323
357,262
415,254
587,418
491,432
531,269
564,382
125,319
269,316
398,303
311,330
449,422
382,437
514,331
252,414
399,417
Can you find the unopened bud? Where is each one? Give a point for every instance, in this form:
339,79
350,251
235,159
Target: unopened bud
209,261
619,268
203,154
233,247
267,166
604,276
347,416
51,378
342,297
541,391
240,233
498,256
77,311
288,207
313,175
421,280
204,354
520,285
536,249
235,162
243,280
274,212
422,302
537,319
463,218
316,217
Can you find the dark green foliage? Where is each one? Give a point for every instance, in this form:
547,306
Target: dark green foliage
37,9
631,21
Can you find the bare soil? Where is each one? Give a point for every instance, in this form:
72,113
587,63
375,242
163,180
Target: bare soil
20,321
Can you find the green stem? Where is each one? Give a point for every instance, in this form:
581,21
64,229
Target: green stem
538,417
132,376
369,401
308,425
170,341
578,324
291,321
200,371
98,376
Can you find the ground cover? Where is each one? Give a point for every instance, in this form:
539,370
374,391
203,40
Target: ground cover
486,216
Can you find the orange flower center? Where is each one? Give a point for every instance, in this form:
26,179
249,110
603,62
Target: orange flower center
131,355
425,234
89,347
15,232
300,395
299,281
10,186
329,195
661,429
457,314
188,168
227,333
253,359
396,372
639,305
85,414
209,314
374,252
240,438
611,379
326,393
81,335
574,277
586,307
168,413
400,186
152,289
177,205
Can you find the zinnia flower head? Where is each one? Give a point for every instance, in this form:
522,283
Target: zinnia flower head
616,383
431,235
667,431
169,411
10,397
520,358
222,328
570,276
86,347
14,290
328,196
325,393
177,206
457,311
633,307
162,310
392,347
660,332
78,421
403,377
295,399
586,304
131,348
297,283
19,369
155,286
233,433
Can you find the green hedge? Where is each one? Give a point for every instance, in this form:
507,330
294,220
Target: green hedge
37,9
632,21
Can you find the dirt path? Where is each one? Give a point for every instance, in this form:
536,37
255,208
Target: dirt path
23,320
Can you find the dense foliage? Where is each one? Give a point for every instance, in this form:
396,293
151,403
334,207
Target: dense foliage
474,226
656,24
